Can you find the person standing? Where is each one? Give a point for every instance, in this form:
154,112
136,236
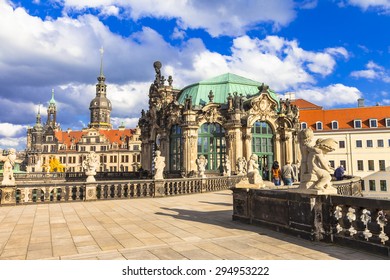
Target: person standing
339,173
288,174
276,173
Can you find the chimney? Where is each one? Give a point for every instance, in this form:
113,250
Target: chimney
361,102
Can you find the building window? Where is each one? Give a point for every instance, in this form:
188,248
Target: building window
387,122
103,148
341,144
360,165
344,164
136,147
372,185
369,144
357,124
211,144
93,148
262,143
335,125
319,125
383,185
175,148
363,185
380,143
359,144
370,165
331,163
303,125
82,149
382,165
373,123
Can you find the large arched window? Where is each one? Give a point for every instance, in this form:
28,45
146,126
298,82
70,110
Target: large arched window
262,143
175,149
211,144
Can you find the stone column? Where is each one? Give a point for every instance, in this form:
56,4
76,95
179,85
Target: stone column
190,137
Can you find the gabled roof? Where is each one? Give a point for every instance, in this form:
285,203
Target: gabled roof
303,104
345,117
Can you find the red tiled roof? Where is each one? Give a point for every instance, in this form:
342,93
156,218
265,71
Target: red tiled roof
112,135
345,117
303,104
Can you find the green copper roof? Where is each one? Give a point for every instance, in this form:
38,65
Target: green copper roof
221,86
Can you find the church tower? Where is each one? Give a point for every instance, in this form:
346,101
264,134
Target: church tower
52,112
100,106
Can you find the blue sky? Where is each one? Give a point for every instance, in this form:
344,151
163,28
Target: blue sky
330,52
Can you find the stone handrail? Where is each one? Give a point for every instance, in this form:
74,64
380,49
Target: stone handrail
54,191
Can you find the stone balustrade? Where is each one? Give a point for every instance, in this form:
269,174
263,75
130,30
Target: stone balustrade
56,191
345,220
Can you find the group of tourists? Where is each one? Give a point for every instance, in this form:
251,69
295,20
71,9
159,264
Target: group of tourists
288,173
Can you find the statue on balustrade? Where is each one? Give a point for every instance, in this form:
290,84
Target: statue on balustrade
254,176
202,163
90,164
9,163
241,166
159,165
315,169
227,167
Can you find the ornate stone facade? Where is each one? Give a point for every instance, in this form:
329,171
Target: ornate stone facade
226,116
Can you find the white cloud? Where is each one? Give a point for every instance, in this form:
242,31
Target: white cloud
274,60
373,72
218,17
336,94
9,142
110,11
127,122
382,5
10,130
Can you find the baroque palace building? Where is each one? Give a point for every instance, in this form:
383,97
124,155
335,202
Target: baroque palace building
119,149
363,136
225,117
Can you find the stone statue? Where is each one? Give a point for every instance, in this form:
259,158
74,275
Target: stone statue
159,165
227,170
9,163
253,171
90,164
202,163
241,166
315,170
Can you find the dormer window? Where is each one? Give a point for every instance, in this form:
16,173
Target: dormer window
357,123
303,125
373,123
335,125
319,125
387,122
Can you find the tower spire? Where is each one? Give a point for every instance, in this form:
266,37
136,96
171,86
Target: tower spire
101,61
39,115
52,100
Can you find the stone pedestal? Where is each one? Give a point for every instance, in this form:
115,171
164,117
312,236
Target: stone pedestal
245,184
159,188
8,195
90,191
91,177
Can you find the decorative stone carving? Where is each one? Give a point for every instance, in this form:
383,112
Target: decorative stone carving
9,163
254,176
241,166
90,164
338,213
227,170
351,216
201,162
366,218
159,165
382,222
315,170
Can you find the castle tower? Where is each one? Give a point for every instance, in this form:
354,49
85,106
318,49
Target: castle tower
37,133
100,106
52,112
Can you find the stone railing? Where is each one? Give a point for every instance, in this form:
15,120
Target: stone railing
46,192
350,186
345,220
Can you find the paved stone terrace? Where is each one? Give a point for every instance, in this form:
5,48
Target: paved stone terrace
191,227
